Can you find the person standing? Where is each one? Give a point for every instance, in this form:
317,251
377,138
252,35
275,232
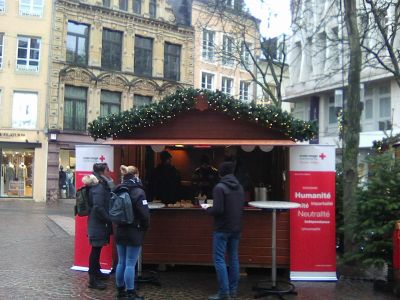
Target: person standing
227,210
165,180
129,237
99,224
204,178
62,181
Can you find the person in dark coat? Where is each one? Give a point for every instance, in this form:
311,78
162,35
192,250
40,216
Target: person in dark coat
129,237
62,180
165,180
99,223
227,210
205,178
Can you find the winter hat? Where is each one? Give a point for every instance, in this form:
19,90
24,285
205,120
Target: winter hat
226,168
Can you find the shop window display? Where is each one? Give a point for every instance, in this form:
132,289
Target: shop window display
17,173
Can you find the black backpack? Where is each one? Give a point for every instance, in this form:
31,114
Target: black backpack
121,211
82,201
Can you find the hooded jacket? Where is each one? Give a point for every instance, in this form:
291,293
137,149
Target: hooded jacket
228,202
99,224
133,234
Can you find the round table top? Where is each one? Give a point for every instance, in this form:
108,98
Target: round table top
274,204
155,205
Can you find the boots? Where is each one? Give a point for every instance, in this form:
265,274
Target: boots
121,293
102,276
131,295
95,283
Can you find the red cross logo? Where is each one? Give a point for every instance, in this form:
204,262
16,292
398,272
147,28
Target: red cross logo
322,156
102,158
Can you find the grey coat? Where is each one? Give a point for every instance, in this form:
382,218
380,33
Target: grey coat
99,224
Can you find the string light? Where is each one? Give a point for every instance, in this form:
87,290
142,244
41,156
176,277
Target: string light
125,123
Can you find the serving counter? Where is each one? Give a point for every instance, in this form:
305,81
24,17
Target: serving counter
184,236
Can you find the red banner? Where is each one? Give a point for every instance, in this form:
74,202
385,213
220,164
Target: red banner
86,156
312,226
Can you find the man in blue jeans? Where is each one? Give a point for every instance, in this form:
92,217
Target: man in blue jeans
227,209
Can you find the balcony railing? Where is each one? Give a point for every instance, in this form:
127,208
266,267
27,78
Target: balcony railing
27,68
30,13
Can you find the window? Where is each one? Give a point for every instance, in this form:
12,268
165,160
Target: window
2,5
368,109
106,3
75,108
332,118
244,91
208,52
230,3
1,49
112,49
110,103
245,54
227,51
143,56
140,100
385,109
123,5
32,8
172,61
28,54
227,84
137,6
77,43
207,81
152,9
24,110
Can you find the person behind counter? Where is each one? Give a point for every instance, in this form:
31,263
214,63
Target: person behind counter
129,238
227,209
205,178
164,183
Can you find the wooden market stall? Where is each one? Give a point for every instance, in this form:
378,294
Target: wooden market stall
183,235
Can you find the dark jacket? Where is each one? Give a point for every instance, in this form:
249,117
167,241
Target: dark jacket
164,183
228,202
133,234
204,179
99,224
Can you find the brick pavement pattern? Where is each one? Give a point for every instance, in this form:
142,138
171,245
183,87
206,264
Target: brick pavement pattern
37,252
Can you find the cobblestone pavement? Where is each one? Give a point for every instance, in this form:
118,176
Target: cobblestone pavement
37,252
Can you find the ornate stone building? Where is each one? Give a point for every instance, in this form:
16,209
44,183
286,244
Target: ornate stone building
108,57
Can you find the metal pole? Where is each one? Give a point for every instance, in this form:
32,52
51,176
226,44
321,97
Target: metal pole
273,270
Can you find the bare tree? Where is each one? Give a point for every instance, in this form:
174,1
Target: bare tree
245,48
381,41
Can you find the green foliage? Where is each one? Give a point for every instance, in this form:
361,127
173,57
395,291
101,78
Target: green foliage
125,123
378,208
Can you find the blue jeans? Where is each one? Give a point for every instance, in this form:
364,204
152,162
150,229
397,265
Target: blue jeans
127,259
226,242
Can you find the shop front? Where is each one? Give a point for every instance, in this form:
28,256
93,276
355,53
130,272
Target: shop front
23,164
190,125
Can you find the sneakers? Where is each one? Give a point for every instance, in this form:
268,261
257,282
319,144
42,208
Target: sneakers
219,297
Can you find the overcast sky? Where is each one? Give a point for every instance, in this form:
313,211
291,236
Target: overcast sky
276,11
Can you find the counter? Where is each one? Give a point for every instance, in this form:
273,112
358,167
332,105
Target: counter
184,236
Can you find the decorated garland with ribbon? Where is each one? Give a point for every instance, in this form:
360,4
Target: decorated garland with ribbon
124,124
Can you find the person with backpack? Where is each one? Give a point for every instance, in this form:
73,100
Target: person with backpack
99,226
129,237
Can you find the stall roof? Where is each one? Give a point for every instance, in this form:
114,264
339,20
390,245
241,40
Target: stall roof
201,142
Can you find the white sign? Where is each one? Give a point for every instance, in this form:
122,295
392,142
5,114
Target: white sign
315,158
87,155
24,113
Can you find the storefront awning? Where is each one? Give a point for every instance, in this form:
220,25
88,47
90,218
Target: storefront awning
210,142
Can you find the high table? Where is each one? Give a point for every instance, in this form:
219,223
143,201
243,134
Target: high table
152,278
274,289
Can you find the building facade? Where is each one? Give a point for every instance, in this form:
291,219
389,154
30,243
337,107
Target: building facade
219,47
109,56
318,60
24,51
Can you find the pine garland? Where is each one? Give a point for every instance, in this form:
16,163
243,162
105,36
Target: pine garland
124,124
